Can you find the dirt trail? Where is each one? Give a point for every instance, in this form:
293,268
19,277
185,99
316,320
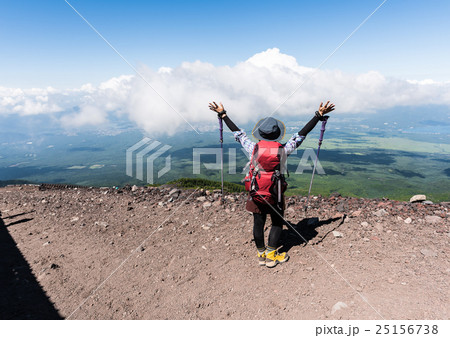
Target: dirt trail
160,253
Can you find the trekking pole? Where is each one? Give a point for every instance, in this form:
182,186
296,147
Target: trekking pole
322,131
221,150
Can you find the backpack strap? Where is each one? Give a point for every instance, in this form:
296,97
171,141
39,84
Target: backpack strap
253,161
254,170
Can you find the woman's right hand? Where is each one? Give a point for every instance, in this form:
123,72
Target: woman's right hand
325,109
219,109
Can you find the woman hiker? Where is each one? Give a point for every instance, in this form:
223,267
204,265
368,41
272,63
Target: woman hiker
265,180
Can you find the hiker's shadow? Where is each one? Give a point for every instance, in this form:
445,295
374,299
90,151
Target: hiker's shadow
304,231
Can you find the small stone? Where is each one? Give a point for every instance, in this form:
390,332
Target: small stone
428,202
207,204
204,247
399,218
46,243
408,220
54,266
174,191
356,213
129,208
309,268
418,198
428,253
134,188
141,248
390,281
101,223
364,224
338,215
380,213
161,204
206,227
230,198
74,219
341,207
337,234
338,306
201,199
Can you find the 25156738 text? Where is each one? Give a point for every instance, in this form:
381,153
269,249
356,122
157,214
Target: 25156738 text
386,329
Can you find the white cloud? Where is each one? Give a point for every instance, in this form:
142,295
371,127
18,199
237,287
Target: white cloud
249,90
88,115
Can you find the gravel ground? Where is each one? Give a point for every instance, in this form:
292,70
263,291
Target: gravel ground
164,253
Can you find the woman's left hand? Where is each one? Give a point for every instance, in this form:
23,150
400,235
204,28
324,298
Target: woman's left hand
325,109
219,109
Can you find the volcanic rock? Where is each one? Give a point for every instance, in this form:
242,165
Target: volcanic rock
337,234
356,213
418,198
380,213
338,306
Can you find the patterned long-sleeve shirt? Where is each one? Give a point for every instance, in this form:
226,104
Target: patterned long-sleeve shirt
293,143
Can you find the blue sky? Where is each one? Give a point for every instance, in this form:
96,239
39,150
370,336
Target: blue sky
44,43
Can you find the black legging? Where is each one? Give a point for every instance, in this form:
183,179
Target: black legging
275,231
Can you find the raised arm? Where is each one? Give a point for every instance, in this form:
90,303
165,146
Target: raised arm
318,116
298,138
222,113
239,135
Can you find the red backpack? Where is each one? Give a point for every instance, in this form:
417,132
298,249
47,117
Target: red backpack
264,181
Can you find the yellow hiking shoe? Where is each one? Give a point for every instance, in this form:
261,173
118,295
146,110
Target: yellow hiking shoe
262,258
273,258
